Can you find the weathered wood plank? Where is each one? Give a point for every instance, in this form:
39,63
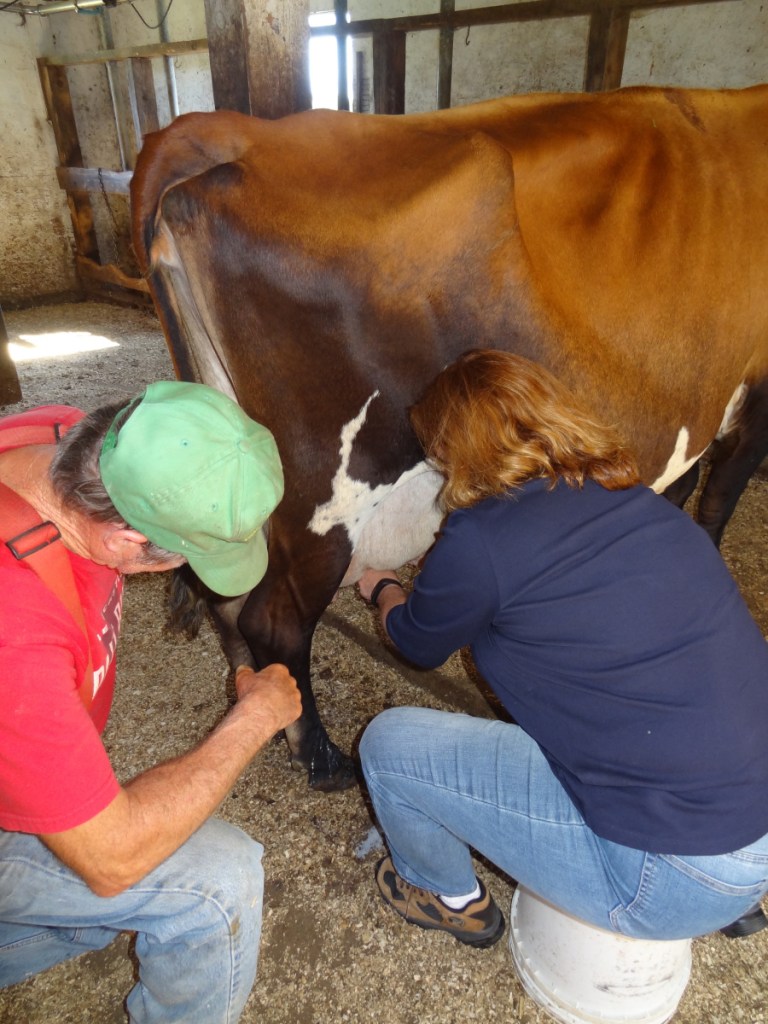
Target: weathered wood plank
90,179
111,274
171,49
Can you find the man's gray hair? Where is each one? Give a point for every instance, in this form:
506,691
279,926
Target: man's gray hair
76,479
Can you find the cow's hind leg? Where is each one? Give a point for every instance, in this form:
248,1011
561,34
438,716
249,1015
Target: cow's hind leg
681,489
274,635
312,750
735,457
278,625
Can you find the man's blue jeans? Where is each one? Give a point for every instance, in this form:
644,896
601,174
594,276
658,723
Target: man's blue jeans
442,783
197,917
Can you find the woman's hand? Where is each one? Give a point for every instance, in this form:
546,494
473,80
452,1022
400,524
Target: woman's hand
387,597
371,577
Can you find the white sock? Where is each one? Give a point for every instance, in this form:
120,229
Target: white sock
459,902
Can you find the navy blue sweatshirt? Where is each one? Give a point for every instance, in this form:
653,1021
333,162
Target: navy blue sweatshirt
608,625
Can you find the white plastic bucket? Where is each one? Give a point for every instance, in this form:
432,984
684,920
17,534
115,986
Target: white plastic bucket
581,974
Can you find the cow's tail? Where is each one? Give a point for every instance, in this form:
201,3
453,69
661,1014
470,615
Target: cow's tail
187,602
192,144
188,147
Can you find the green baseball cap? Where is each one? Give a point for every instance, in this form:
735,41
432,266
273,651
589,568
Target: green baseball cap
185,466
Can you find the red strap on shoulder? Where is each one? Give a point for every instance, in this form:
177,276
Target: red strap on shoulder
30,539
44,424
28,434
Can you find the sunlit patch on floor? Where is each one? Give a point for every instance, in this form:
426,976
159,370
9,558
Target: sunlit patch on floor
56,344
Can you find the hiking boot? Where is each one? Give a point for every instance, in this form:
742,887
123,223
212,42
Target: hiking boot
479,924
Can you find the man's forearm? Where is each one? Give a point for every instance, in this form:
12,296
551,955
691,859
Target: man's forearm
169,802
158,810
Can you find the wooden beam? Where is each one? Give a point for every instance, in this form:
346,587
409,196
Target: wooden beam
91,179
608,30
389,73
110,274
526,10
126,52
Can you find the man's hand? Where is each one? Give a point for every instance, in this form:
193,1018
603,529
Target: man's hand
272,694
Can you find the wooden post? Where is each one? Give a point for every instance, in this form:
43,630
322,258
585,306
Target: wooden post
278,56
143,99
359,75
10,390
228,49
259,51
445,58
608,30
58,100
389,72
340,10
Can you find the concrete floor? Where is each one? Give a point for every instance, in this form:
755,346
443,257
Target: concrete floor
331,951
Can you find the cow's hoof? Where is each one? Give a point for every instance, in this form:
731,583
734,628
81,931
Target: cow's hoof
328,770
342,778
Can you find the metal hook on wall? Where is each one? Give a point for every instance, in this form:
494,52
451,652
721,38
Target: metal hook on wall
466,37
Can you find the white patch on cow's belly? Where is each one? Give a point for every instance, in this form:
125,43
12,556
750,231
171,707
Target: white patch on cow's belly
387,525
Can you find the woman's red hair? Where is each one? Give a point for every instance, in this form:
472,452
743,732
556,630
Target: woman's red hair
493,420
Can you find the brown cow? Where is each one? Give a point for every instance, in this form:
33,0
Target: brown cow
322,268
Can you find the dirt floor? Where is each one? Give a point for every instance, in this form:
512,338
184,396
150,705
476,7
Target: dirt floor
331,951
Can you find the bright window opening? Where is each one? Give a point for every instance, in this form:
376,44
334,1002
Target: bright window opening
324,64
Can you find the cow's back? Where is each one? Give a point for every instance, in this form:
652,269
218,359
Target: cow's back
616,237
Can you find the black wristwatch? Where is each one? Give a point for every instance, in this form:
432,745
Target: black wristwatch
388,581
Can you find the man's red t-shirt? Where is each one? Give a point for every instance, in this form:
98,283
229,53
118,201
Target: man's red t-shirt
54,770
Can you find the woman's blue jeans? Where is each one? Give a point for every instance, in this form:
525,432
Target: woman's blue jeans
197,917
442,783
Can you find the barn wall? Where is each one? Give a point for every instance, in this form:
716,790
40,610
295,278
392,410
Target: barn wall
718,45
91,91
35,226
722,46
36,243
711,45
